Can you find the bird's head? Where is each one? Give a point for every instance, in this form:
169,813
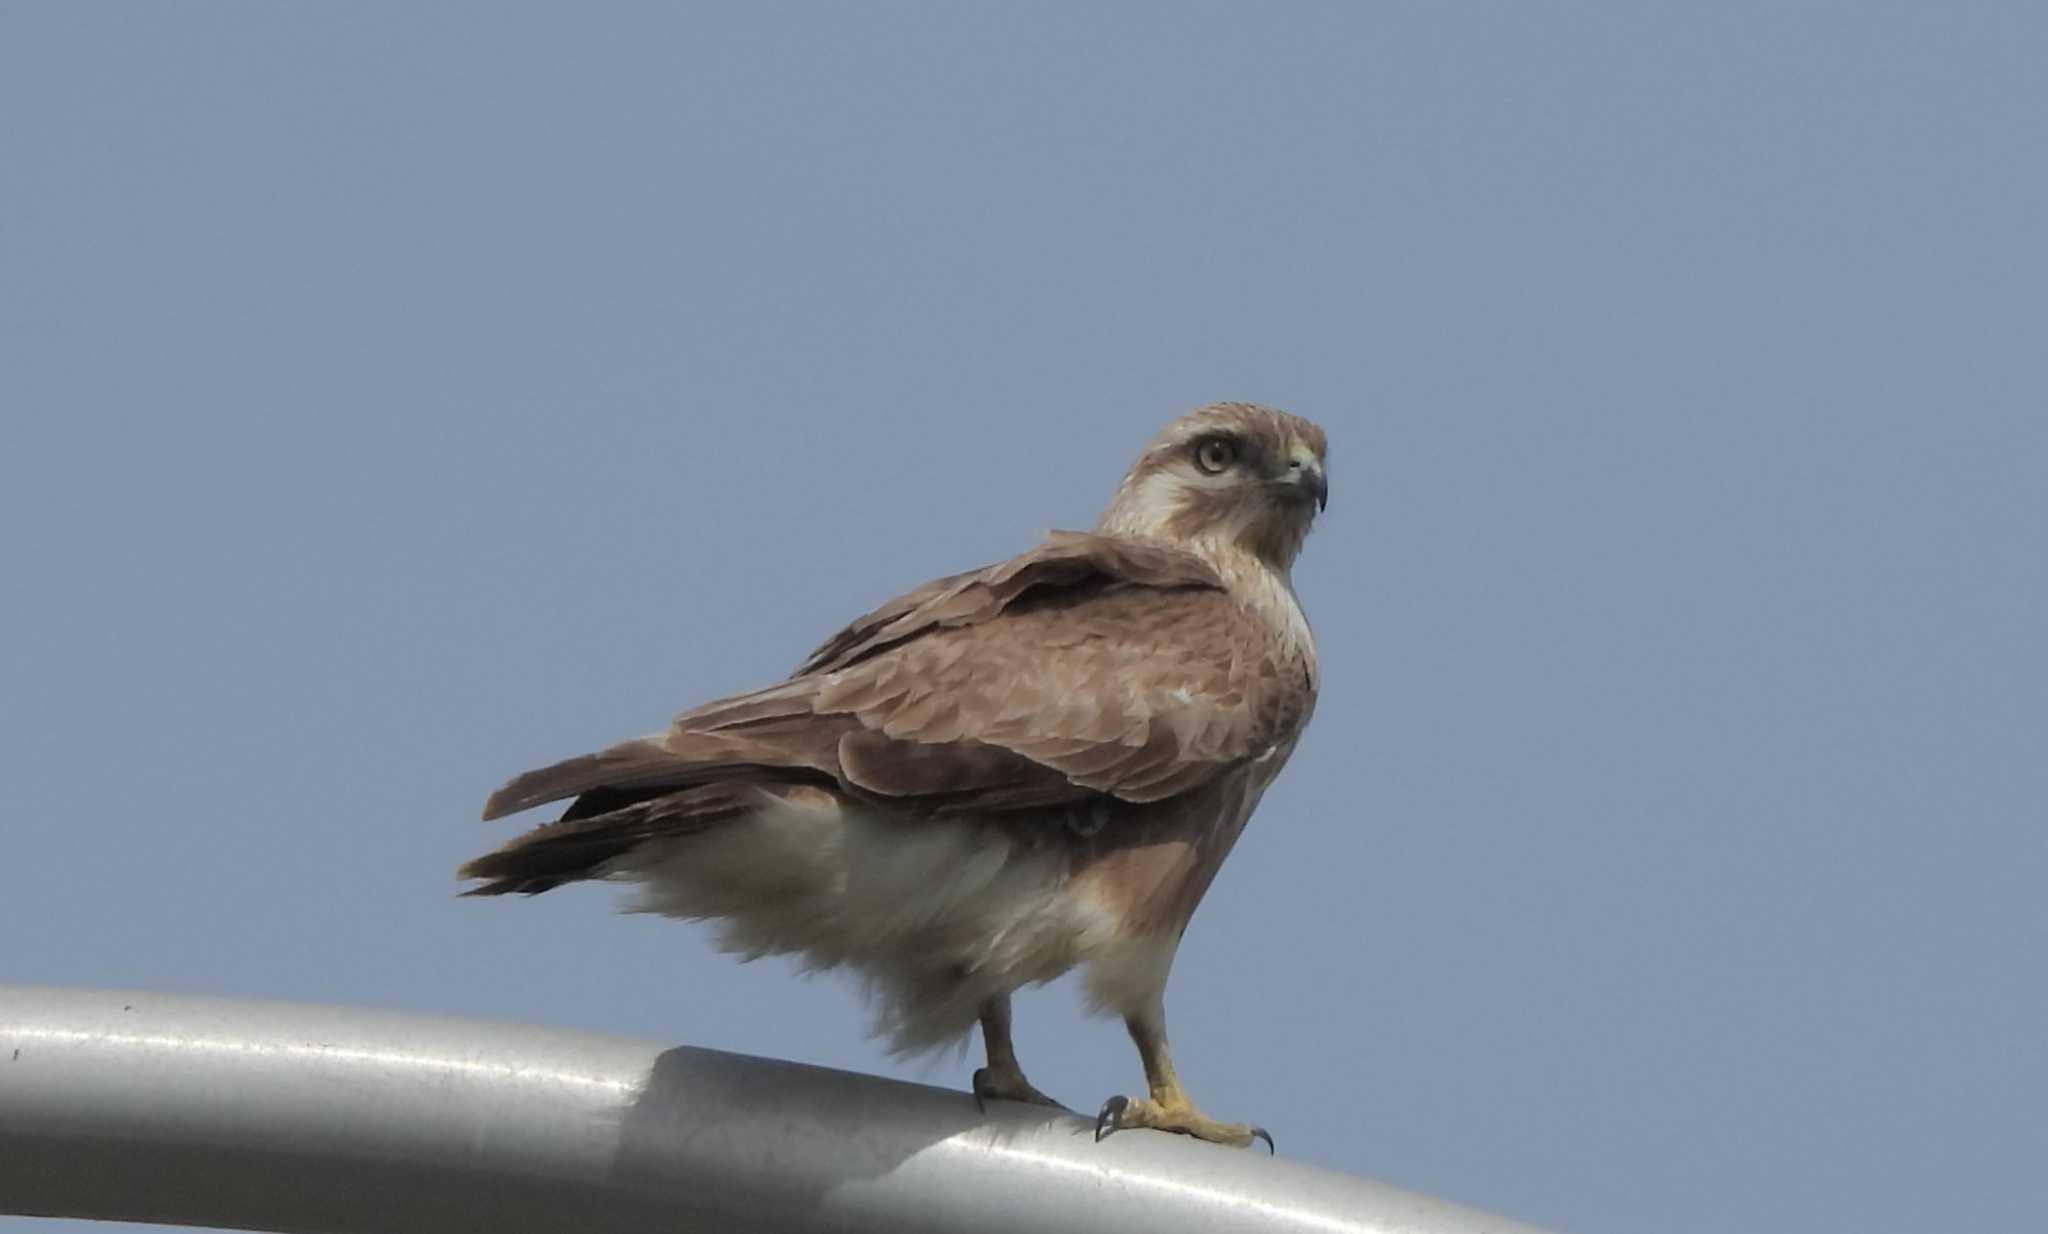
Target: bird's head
1229,478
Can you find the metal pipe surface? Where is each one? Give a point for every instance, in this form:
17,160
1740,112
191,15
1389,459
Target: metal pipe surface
274,1116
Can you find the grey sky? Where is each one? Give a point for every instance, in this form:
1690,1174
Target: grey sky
397,398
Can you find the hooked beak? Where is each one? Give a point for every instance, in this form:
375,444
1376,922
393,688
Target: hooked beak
1305,479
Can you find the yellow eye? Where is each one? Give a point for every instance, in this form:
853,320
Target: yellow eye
1215,454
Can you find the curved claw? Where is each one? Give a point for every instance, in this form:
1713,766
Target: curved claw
1260,1133
979,1087
1106,1120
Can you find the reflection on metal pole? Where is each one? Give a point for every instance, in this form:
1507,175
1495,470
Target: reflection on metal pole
218,1112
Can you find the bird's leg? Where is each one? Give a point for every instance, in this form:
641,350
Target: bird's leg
1168,1108
1003,1078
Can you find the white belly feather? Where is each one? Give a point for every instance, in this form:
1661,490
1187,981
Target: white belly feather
937,915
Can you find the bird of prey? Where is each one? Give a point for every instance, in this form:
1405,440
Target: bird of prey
994,778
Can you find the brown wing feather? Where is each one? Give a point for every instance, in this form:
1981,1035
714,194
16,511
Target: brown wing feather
1137,692
1088,666
571,847
1065,559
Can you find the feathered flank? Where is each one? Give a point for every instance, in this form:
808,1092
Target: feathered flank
994,777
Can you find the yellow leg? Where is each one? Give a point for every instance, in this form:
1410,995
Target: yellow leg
1003,1078
1168,1108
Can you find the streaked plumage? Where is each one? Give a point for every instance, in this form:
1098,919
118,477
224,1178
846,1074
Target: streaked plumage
995,777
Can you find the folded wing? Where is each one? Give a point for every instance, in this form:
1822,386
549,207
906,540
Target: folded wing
1088,668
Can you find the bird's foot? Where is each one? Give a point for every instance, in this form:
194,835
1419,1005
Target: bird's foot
1123,1113
1007,1084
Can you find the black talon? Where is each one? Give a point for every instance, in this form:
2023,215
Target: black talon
976,1086
1260,1133
1106,1121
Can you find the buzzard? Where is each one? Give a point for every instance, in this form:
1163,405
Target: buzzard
996,777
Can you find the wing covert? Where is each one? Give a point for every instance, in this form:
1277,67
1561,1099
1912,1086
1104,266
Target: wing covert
1136,691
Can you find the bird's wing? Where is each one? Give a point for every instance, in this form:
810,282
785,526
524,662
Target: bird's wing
1089,666
1066,560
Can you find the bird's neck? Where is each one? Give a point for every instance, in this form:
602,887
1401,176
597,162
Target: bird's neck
1267,590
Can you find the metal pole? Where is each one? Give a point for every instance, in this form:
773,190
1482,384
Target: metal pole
272,1116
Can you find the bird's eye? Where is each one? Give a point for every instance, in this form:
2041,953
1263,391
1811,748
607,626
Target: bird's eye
1215,454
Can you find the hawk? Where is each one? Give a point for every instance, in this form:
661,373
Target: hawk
994,778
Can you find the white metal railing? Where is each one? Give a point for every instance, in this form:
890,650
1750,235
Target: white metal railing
272,1116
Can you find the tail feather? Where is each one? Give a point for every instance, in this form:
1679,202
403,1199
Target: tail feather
580,847
730,738
644,762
